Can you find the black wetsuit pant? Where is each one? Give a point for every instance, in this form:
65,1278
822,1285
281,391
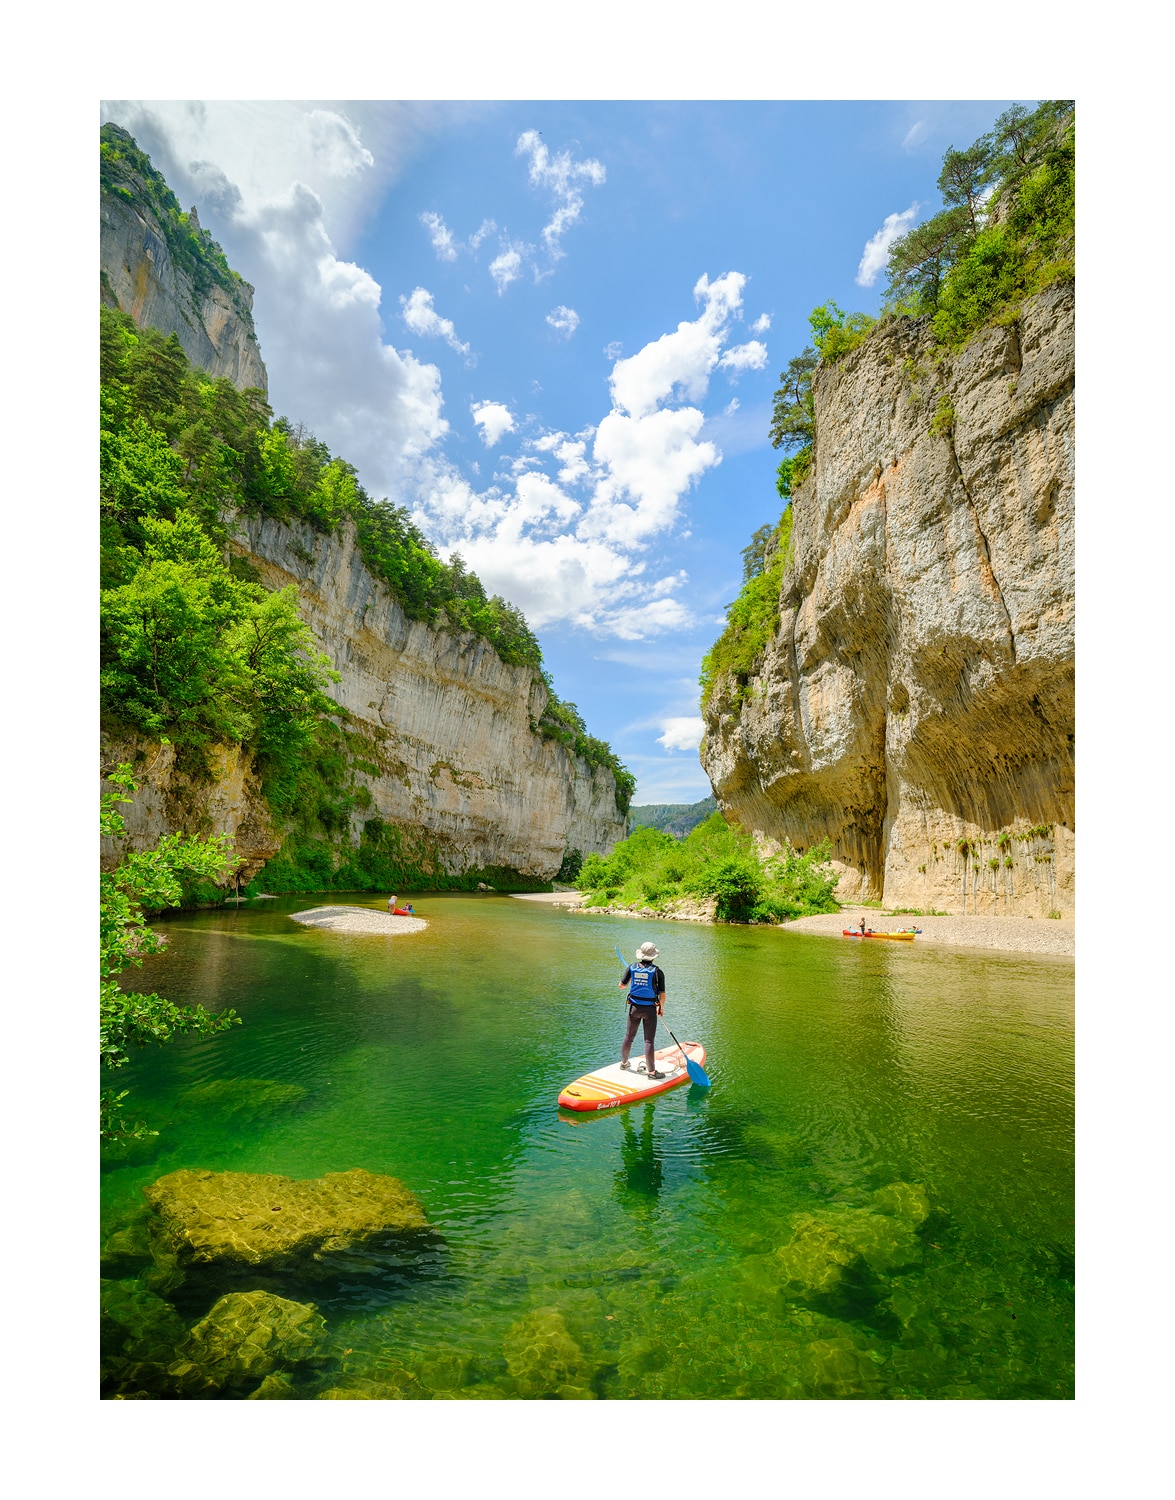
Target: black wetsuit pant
636,1015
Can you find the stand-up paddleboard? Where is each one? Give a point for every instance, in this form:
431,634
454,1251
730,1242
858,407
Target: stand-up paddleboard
605,1087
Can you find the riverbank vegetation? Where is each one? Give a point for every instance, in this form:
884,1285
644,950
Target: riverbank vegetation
1004,233
651,869
142,883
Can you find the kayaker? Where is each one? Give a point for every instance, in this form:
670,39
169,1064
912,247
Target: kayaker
646,1001
391,903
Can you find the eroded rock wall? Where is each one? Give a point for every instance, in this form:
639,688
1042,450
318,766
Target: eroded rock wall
215,327
447,721
916,703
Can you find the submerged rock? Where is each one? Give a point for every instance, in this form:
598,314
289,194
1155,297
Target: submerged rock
543,1358
904,1200
274,1388
233,1221
246,1336
838,1368
815,1261
140,1334
127,1248
395,1386
884,1243
242,1100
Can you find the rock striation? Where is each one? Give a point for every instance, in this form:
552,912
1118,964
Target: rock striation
916,702
212,316
448,727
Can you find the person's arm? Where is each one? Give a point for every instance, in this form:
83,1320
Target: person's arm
661,995
625,980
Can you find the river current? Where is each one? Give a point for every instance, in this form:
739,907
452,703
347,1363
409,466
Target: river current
657,1234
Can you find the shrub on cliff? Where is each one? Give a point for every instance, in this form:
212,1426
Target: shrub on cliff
753,618
1005,232
715,860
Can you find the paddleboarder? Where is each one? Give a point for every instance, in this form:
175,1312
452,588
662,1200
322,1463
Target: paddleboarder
646,1001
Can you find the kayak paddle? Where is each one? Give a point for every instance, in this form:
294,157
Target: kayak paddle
697,1074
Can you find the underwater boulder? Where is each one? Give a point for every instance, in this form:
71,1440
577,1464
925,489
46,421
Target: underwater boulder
274,1388
242,1101
139,1334
839,1369
243,1338
883,1242
542,1357
127,1248
815,1261
223,1222
904,1200
395,1386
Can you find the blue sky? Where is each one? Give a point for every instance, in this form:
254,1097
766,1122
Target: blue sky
553,331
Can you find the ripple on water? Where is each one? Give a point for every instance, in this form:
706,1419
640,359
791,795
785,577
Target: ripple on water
653,1232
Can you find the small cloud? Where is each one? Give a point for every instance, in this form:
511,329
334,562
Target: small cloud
486,227
731,407
613,350
876,251
915,135
750,356
439,235
762,323
563,178
506,268
681,734
564,320
422,317
493,419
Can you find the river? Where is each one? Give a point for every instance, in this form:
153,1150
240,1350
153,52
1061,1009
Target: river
838,1068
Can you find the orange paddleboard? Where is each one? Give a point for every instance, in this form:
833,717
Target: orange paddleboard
612,1085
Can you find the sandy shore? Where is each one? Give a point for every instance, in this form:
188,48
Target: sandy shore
1008,934
358,919
550,898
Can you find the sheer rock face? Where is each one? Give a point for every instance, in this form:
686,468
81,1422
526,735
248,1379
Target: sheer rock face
916,703
140,278
448,724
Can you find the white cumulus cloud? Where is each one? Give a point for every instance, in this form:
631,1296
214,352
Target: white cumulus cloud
440,236
682,360
422,317
564,179
762,323
681,734
493,419
506,267
564,320
749,356
877,249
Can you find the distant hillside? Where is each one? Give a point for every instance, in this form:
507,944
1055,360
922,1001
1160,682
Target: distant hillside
676,818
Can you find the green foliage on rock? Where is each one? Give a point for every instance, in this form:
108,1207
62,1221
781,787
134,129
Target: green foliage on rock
1006,231
127,174
836,333
753,619
650,869
144,882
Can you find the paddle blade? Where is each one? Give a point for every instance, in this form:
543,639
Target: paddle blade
697,1074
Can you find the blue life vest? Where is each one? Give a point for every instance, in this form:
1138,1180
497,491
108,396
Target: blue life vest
642,990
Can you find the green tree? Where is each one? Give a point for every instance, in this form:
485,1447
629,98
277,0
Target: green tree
964,176
919,261
144,882
835,332
793,416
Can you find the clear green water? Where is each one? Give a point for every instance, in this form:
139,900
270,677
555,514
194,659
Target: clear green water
837,1067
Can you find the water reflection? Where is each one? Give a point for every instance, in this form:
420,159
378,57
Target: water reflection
641,1174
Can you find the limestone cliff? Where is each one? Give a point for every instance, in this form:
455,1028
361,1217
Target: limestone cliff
916,702
448,724
163,269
